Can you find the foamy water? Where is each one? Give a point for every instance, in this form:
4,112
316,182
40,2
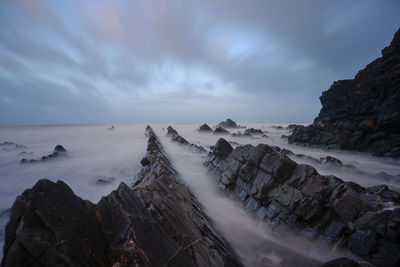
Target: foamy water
94,152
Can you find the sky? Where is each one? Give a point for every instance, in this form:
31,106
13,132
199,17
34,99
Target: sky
83,62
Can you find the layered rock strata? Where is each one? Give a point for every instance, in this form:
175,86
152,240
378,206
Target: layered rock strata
362,113
293,197
156,223
175,137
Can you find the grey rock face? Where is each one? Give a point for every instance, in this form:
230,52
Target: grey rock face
58,151
205,128
287,195
363,113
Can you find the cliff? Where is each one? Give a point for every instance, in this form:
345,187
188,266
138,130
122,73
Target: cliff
363,113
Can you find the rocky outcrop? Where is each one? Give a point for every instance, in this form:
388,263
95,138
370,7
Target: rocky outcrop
205,128
175,137
220,130
293,197
156,223
362,113
227,124
58,151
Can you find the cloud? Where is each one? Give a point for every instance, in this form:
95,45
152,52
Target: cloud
132,61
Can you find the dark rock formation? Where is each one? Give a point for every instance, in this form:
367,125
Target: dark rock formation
170,202
253,131
362,113
205,128
158,223
332,213
175,137
220,130
58,151
278,127
227,124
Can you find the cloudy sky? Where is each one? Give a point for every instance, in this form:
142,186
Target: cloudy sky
180,60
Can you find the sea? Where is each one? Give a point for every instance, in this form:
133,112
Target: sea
113,154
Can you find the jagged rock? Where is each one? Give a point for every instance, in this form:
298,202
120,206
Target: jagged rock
58,151
227,124
284,136
278,127
363,113
222,148
291,126
287,195
175,137
205,128
253,131
157,223
220,130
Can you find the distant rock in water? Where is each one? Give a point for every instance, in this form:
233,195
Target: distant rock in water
227,124
220,130
205,128
111,128
58,151
253,131
363,113
175,137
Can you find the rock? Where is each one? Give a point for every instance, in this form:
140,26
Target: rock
363,113
156,223
283,136
105,181
362,242
295,197
227,124
205,128
144,162
220,130
222,148
58,151
253,131
175,137
341,262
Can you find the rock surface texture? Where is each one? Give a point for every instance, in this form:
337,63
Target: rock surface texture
227,124
362,113
293,197
156,223
175,137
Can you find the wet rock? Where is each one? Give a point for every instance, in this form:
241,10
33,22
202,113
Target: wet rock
156,223
295,197
205,128
227,124
363,113
283,136
144,162
220,130
331,161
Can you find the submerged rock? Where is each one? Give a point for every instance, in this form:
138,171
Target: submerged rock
58,151
324,209
363,113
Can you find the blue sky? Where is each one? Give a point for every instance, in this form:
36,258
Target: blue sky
66,62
